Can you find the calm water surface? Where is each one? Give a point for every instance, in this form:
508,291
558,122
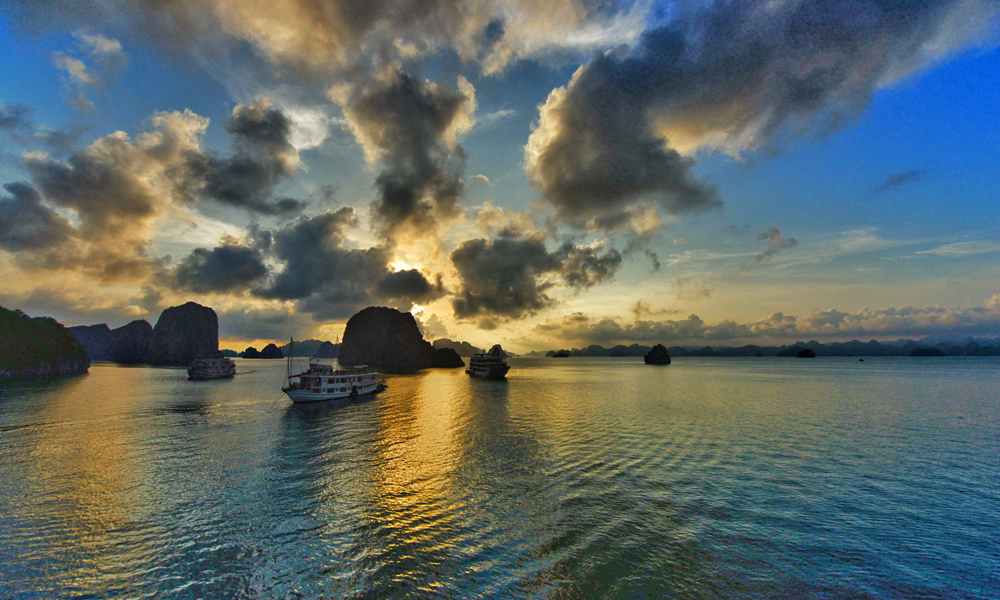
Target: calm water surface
575,478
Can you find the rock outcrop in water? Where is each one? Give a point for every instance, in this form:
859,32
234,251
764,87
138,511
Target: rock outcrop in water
184,333
658,355
38,347
250,352
385,337
271,351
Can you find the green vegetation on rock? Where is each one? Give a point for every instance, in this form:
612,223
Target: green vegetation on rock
37,347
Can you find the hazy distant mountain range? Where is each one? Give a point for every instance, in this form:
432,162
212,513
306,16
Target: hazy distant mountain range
949,346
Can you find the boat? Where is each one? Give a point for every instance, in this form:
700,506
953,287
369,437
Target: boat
321,381
489,365
211,368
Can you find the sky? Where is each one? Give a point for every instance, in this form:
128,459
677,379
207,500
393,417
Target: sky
541,174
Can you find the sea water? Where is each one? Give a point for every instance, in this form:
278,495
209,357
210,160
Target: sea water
574,478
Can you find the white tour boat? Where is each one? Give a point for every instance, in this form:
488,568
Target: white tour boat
490,365
322,382
211,368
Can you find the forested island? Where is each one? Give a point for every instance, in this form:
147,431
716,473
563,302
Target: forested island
37,347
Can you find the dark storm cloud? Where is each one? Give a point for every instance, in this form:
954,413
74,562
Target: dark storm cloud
897,179
510,277
313,253
305,261
775,243
262,158
410,285
409,126
583,267
500,278
730,75
26,224
226,268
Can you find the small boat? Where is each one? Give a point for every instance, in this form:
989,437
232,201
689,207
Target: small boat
322,382
211,368
490,365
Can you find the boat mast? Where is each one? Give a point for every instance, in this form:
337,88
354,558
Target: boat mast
288,360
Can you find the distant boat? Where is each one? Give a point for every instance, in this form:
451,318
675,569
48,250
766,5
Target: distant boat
489,365
322,382
211,368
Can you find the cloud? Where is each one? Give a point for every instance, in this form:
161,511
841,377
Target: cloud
511,277
492,219
776,243
305,261
490,119
28,225
263,157
411,286
699,291
118,189
730,76
336,36
410,126
16,121
432,328
480,178
960,249
592,155
107,61
642,307
229,267
897,179
15,118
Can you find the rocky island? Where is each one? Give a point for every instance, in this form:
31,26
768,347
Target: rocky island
657,355
31,348
184,333
386,338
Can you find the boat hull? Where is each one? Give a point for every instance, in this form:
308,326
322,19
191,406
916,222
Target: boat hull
208,376
306,395
492,372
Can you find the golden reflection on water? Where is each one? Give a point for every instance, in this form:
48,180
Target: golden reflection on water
84,472
415,456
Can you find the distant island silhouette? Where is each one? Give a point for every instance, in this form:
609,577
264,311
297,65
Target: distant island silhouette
901,347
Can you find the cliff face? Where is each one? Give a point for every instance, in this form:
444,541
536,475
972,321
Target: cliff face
385,337
127,344
95,339
184,333
39,347
131,342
